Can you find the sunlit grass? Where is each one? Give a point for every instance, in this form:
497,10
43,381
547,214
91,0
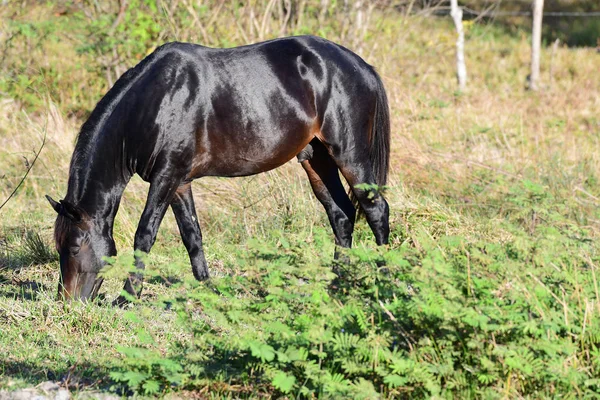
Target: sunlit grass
466,165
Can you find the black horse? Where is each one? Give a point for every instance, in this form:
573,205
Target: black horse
188,111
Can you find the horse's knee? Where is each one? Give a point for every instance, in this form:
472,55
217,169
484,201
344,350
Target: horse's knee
378,207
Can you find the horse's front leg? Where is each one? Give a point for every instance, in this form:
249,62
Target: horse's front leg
187,220
159,197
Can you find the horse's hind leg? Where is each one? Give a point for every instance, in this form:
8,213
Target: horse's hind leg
325,181
375,207
187,221
354,163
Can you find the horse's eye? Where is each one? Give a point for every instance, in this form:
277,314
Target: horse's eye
74,250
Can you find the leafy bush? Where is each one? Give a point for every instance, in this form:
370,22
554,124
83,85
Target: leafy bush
450,317
488,288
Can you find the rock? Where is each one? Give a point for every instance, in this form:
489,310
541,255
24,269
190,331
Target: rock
23,394
44,391
62,394
48,387
96,396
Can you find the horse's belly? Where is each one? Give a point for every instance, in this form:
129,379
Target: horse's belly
245,166
248,155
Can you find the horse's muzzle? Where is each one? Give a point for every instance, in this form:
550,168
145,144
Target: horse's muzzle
85,286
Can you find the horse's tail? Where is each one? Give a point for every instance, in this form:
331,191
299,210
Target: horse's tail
379,140
379,146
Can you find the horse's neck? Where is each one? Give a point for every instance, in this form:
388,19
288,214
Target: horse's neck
97,179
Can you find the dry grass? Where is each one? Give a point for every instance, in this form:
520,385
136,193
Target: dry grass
442,140
444,143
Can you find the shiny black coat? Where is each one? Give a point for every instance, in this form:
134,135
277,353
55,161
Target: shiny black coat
188,111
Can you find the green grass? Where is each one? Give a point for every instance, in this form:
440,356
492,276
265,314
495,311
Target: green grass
490,284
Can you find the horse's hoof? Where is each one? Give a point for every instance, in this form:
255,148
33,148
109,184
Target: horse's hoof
202,275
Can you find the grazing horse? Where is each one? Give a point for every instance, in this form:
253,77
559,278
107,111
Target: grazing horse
188,111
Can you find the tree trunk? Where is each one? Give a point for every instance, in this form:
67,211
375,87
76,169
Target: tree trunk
461,68
536,40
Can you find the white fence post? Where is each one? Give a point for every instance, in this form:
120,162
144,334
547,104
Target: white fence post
536,41
461,69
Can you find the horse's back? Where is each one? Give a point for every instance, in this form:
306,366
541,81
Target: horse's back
237,111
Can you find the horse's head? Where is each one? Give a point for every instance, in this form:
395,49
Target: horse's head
81,244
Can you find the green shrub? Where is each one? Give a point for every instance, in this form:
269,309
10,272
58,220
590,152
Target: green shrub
453,318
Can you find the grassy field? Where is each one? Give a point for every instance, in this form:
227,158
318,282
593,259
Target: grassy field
491,281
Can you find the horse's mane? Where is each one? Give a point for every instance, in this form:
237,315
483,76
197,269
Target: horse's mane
106,105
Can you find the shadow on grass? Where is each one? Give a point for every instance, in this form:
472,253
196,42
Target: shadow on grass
80,376
15,289
164,280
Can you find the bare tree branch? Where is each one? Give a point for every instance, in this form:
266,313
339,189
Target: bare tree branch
120,15
29,167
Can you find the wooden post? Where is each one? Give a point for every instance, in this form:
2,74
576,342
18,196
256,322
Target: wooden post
536,42
461,68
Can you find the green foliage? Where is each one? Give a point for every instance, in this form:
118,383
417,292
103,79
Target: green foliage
146,371
372,188
96,42
488,288
452,318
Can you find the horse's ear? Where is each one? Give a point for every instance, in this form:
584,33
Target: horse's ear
70,211
66,209
55,204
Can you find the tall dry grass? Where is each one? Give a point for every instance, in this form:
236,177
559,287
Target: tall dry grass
443,141
456,161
